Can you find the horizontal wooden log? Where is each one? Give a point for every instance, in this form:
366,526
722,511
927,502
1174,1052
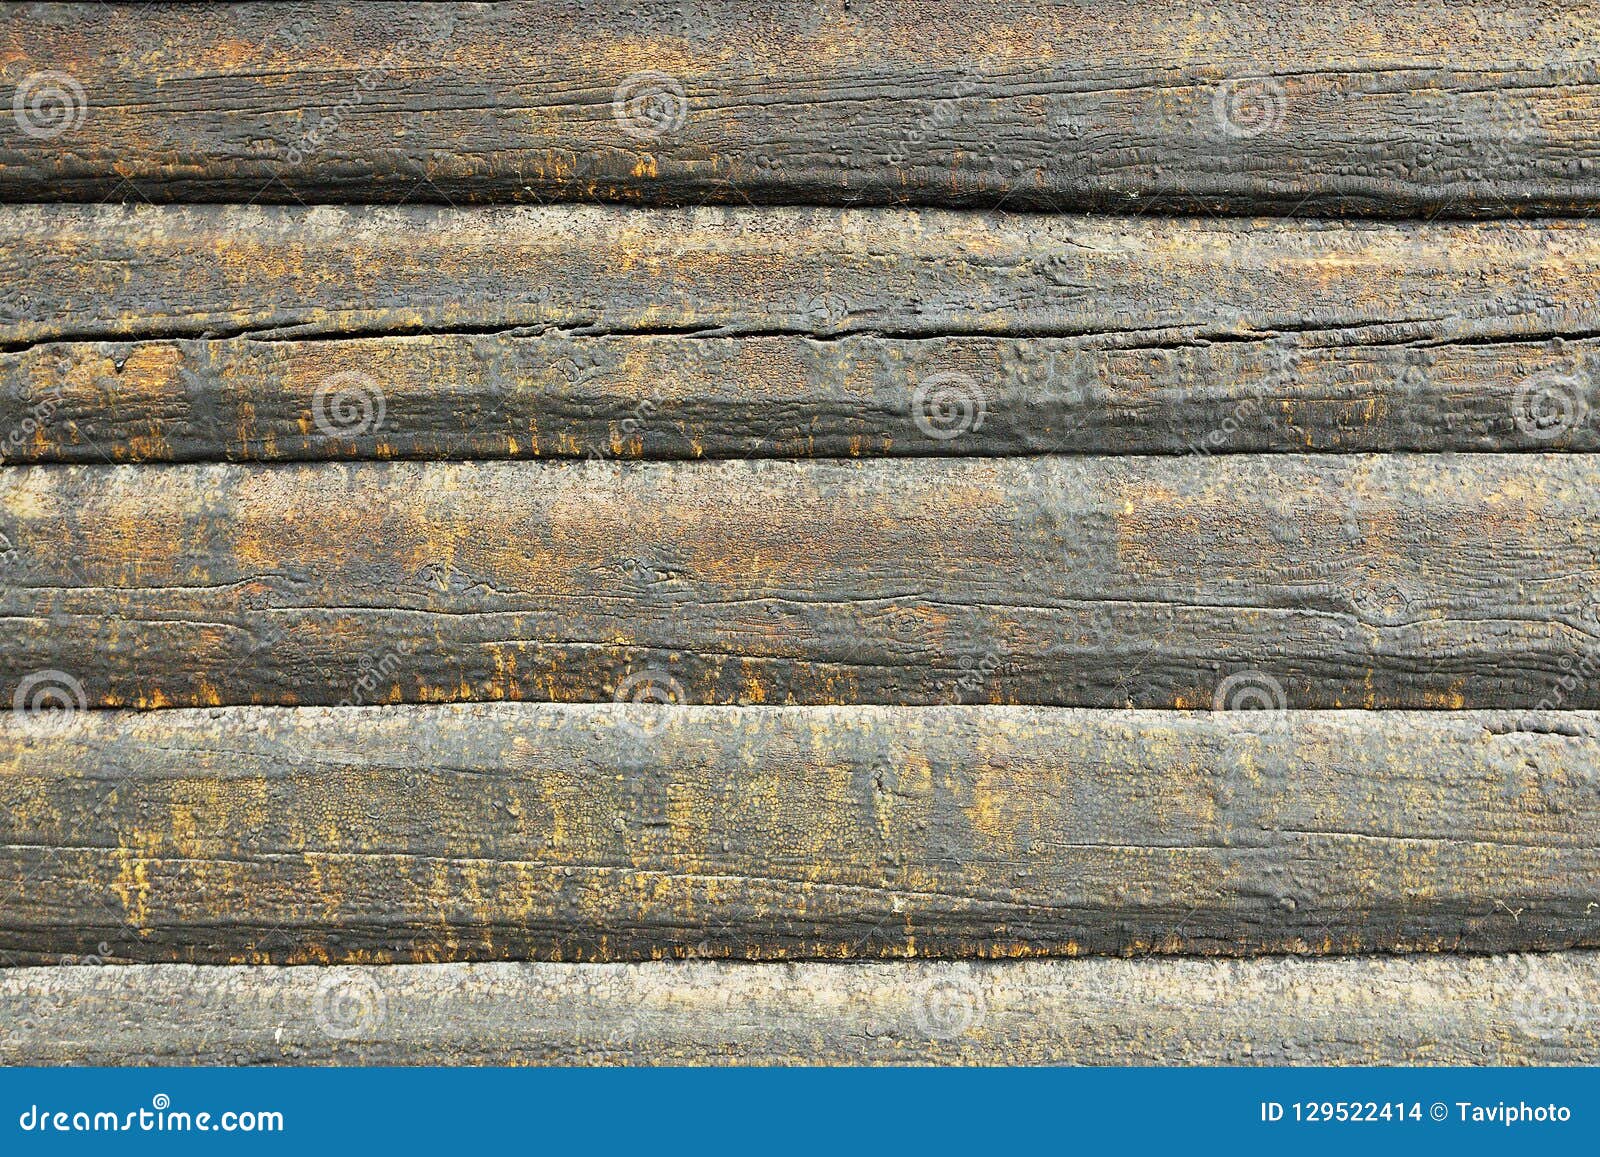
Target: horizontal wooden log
1414,106
1504,1010
619,832
1317,581
102,272
685,397
213,332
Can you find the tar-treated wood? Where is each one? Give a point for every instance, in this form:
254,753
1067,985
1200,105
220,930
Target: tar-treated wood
1096,464
78,272
562,395
1342,580
1502,1010
1410,107
619,832
142,334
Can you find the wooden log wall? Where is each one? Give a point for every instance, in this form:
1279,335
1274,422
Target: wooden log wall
1468,1010
546,533
625,831
1408,108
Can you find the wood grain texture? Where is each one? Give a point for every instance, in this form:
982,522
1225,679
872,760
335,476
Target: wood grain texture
1335,581
559,395
623,832
1505,1010
145,334
1410,107
86,272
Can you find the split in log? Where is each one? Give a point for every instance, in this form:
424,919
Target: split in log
278,334
559,395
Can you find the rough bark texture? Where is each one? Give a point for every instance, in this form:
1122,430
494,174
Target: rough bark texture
1345,581
1507,1010
618,832
1409,107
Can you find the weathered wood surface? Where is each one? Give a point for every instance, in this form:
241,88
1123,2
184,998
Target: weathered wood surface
245,333
679,397
1414,106
618,832
81,272
1344,581
1503,1010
